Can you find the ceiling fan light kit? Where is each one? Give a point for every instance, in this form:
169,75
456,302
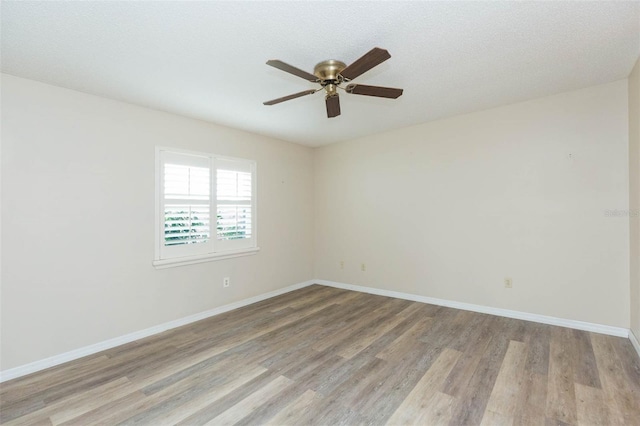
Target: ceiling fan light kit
331,74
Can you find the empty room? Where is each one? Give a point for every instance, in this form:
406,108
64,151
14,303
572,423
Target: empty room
426,213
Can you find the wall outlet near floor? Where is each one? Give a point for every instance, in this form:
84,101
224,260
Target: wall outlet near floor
342,264
508,283
363,267
226,282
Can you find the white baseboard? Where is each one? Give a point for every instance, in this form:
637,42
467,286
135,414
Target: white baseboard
634,341
42,364
579,325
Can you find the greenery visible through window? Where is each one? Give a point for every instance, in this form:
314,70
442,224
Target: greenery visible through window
185,226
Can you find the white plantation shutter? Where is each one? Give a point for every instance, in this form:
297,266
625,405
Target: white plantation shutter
234,203
192,187
186,204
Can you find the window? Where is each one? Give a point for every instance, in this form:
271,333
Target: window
205,207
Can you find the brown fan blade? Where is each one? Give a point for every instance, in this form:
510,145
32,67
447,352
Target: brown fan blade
292,70
374,57
333,106
288,98
381,92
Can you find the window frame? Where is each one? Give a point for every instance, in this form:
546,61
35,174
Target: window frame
215,252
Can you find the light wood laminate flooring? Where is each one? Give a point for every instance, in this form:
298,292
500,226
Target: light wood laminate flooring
326,356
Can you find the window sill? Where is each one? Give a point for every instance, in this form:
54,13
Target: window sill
210,257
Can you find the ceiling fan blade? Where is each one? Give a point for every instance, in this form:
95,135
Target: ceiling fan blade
374,57
292,70
288,98
333,106
381,92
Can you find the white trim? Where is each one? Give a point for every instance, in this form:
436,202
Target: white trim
33,367
562,322
634,341
157,204
209,257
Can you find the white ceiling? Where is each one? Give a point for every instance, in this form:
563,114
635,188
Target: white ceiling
207,59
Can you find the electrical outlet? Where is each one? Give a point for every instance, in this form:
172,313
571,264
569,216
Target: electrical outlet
342,264
508,283
226,282
363,267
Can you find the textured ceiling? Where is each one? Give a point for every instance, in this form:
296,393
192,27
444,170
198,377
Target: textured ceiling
207,59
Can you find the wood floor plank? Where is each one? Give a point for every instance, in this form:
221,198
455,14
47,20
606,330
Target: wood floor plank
157,405
491,418
195,403
384,396
77,404
293,412
330,411
225,353
466,325
561,399
368,335
327,356
252,316
407,340
328,376
592,409
585,370
418,405
470,404
323,297
538,342
509,383
22,387
232,339
468,362
532,404
630,363
219,405
348,329
620,396
109,412
413,309
405,370
247,405
274,404
358,382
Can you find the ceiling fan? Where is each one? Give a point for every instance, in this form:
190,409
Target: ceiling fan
331,74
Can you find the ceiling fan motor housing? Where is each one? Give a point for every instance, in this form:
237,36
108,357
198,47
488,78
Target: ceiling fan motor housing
329,70
329,73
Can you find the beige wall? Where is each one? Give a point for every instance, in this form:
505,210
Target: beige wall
448,209
78,211
634,194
